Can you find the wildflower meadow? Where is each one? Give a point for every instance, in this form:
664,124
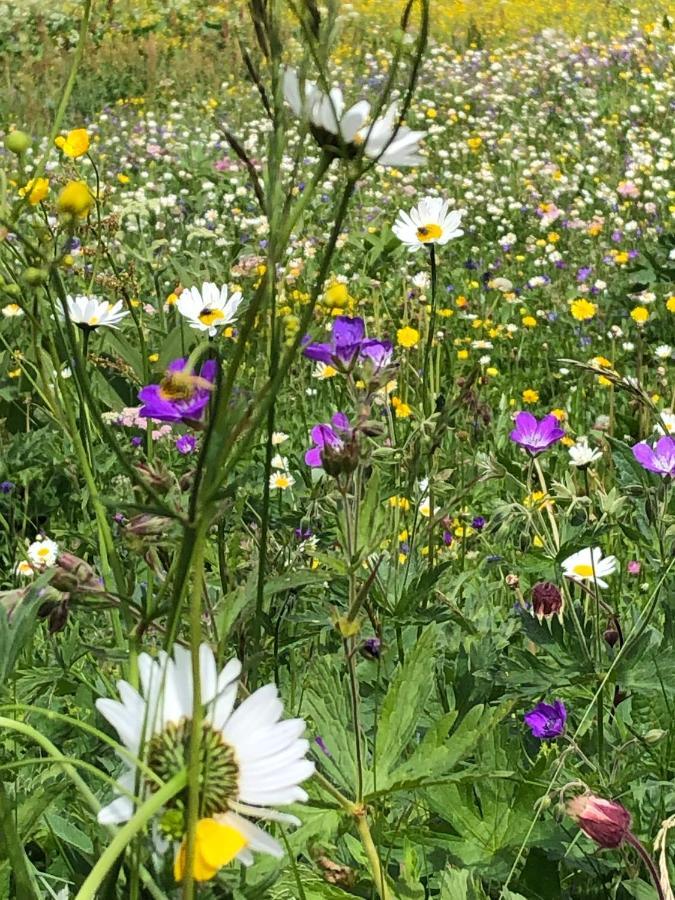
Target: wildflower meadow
337,420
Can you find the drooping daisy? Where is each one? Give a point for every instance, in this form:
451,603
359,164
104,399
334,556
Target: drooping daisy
42,553
12,310
347,132
209,309
91,312
251,760
666,422
429,222
24,569
590,565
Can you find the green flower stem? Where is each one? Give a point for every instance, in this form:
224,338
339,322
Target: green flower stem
426,387
126,834
25,882
649,863
549,511
195,762
376,867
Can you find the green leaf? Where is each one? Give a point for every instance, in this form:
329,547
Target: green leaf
326,704
406,697
69,833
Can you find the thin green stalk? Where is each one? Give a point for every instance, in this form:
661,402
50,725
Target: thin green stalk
426,385
194,758
126,834
25,883
376,868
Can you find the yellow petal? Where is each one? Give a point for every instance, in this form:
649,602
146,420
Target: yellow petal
216,845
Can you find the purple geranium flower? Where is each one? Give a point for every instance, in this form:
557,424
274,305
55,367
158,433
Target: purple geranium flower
181,396
534,435
659,459
332,436
186,444
547,721
378,352
345,345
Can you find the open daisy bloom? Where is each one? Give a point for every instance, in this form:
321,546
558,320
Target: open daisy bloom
590,565
90,312
211,309
351,131
429,222
251,760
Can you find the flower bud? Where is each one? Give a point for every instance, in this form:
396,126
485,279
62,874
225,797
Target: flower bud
75,199
34,277
145,525
604,821
371,648
17,142
547,600
512,581
611,636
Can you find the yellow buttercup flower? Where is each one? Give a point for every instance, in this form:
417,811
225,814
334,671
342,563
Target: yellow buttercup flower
583,310
639,315
670,304
76,143
474,143
216,845
407,337
36,190
401,409
530,396
76,198
529,322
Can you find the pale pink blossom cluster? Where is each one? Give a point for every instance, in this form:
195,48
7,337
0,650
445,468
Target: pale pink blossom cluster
129,418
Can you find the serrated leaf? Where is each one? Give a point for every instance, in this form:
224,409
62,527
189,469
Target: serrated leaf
407,695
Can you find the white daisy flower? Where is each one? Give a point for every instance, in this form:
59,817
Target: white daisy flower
666,423
428,223
12,310
278,438
252,761
581,455
24,569
280,462
590,565
324,371
663,351
281,481
91,312
209,309
332,124
42,553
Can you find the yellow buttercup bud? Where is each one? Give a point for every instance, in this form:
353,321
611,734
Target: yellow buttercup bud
76,198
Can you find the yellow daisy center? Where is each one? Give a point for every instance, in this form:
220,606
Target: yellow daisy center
583,570
209,316
431,232
216,845
43,551
93,320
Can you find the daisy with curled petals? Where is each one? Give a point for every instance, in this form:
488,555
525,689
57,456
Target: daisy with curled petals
428,223
349,131
590,565
90,312
209,309
251,760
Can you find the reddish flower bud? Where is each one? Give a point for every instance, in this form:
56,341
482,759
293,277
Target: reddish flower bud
604,821
547,601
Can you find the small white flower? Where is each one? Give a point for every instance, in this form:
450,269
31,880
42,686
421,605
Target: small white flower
42,553
280,462
281,481
332,124
581,455
323,371
24,569
278,438
90,312
209,309
590,565
428,223
12,310
663,351
666,423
